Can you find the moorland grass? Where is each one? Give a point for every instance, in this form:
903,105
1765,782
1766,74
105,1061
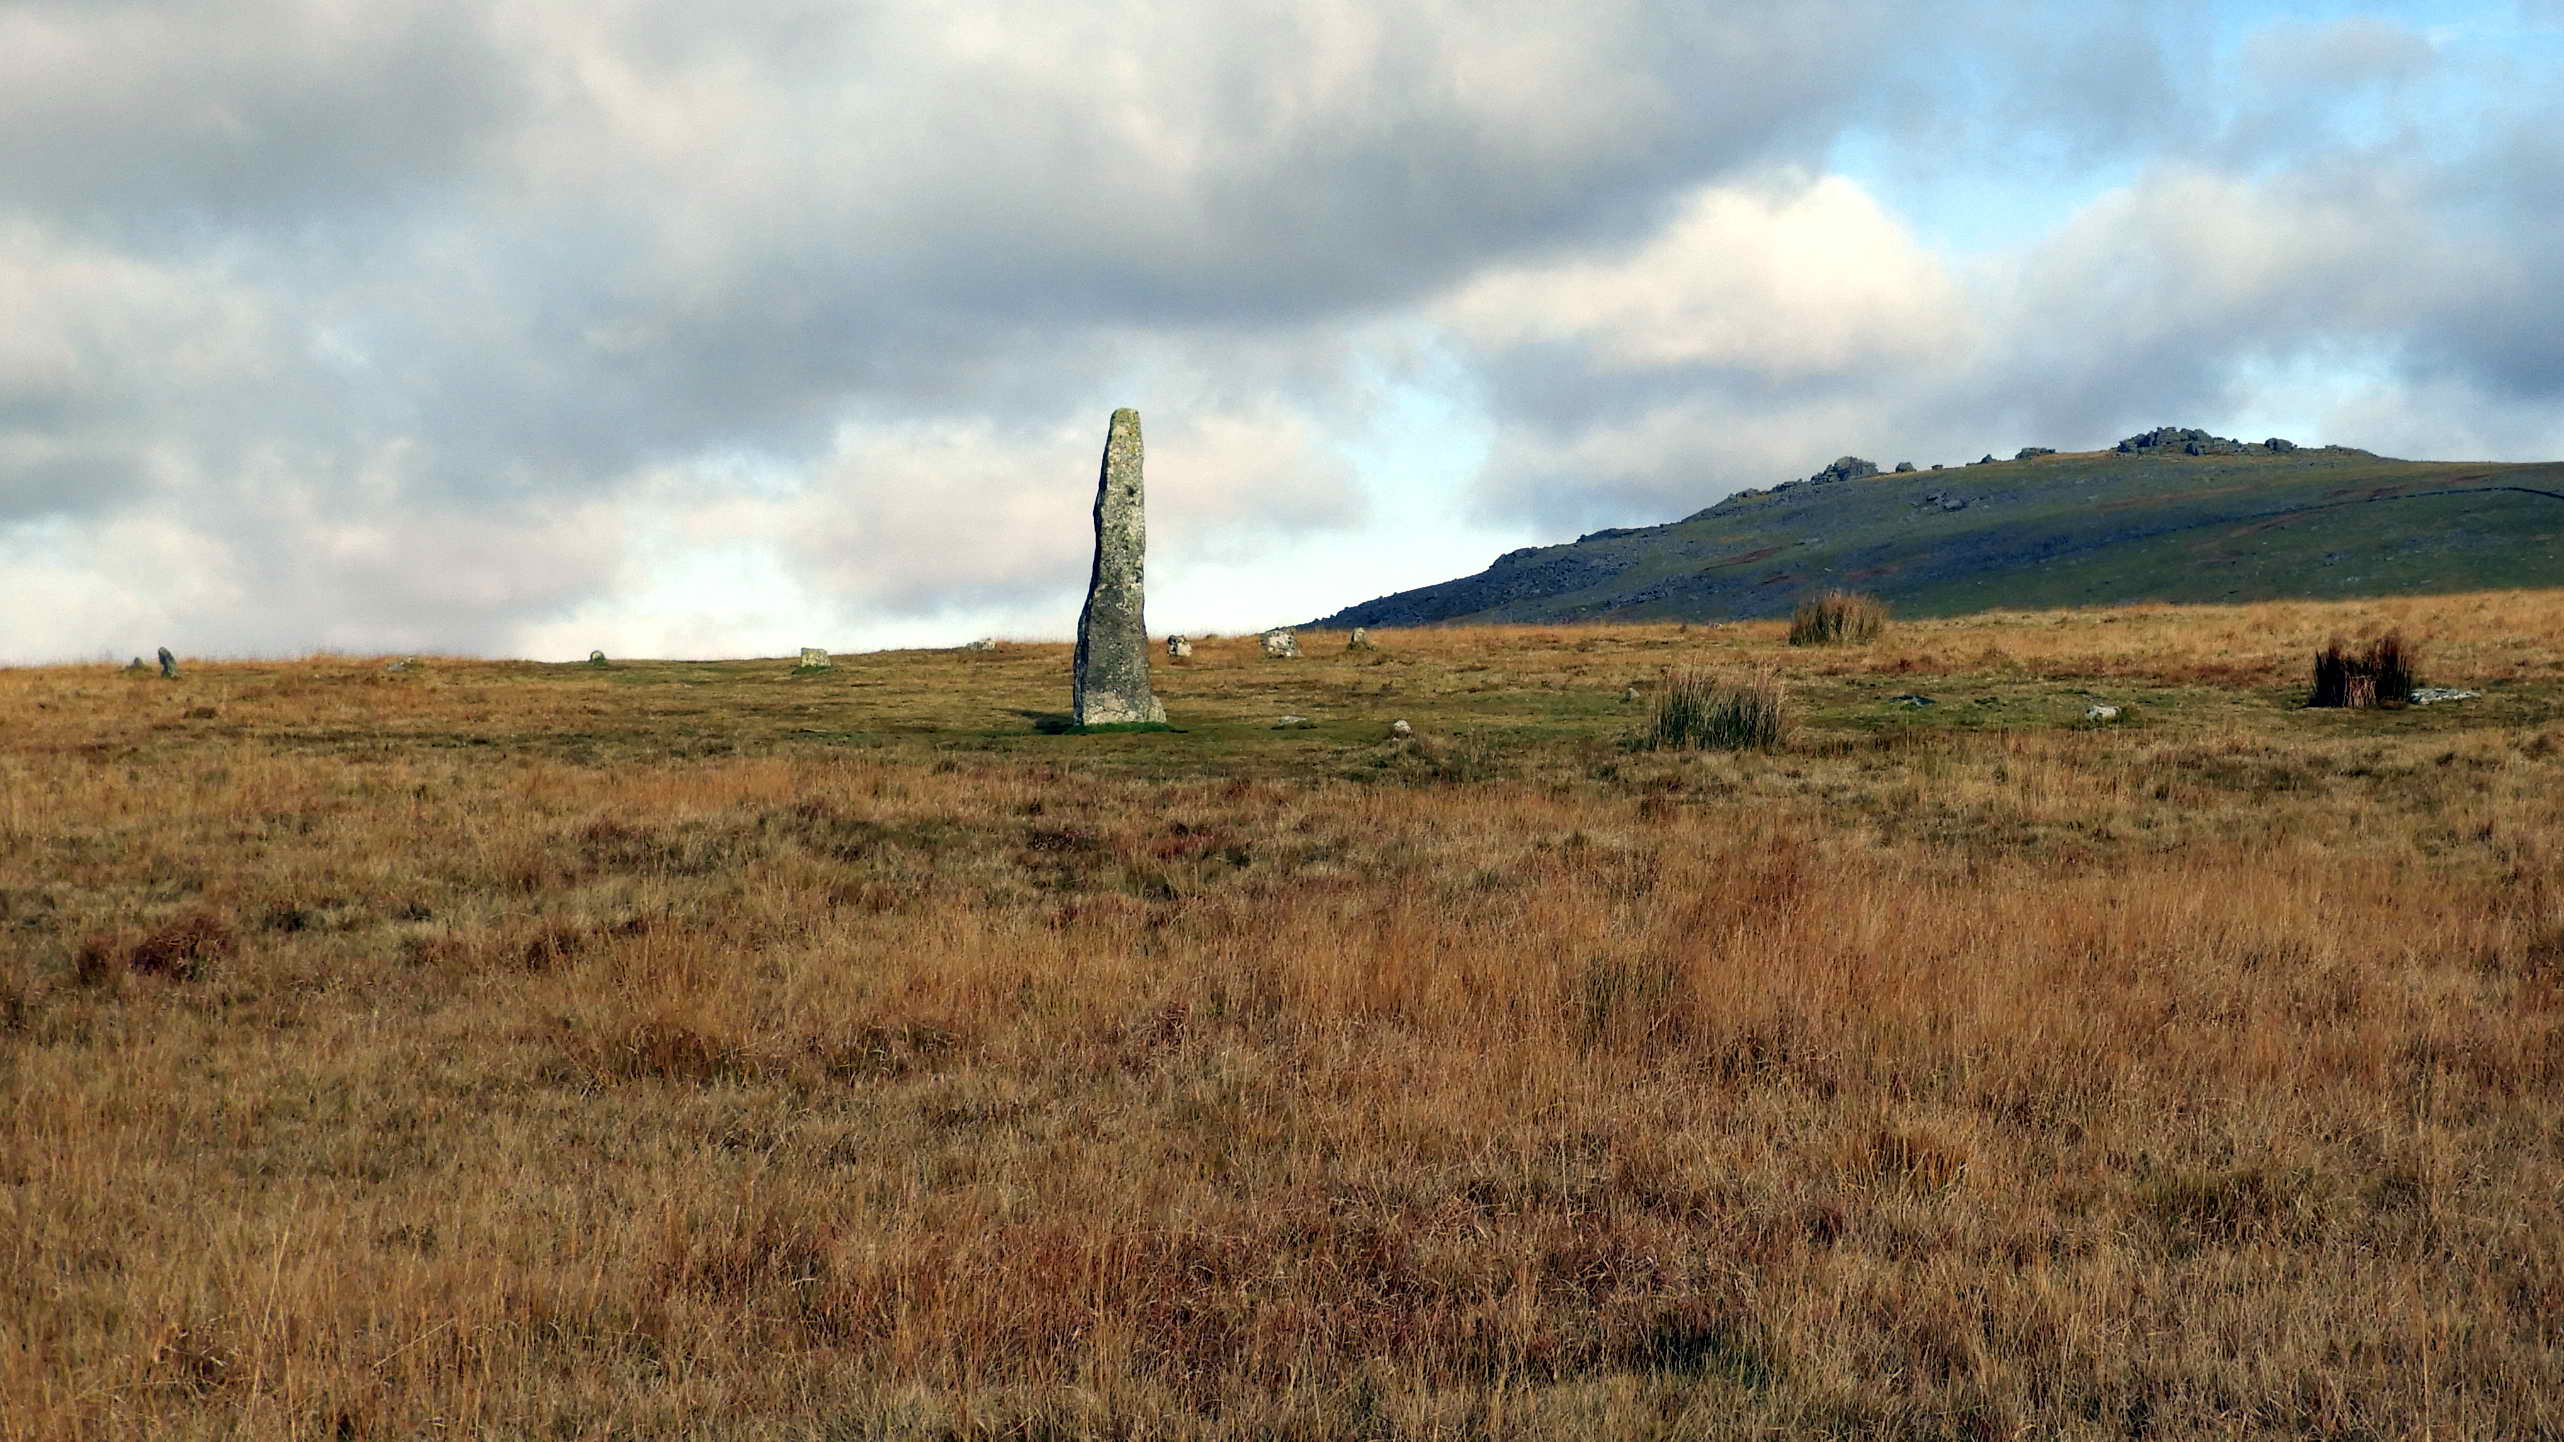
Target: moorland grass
689,1050
2380,673
1696,710
1837,618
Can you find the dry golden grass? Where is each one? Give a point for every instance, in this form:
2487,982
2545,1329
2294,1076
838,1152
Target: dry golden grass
495,1050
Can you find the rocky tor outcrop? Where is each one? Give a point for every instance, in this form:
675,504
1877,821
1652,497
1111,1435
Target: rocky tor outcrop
2190,441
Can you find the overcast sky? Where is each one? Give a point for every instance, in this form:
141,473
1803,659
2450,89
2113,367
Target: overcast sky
521,327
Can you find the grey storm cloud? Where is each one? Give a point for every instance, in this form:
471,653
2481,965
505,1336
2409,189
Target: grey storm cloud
414,323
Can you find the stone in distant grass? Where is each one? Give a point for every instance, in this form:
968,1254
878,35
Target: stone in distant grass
814,658
1282,644
168,665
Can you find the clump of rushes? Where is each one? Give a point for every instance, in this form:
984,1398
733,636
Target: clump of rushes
1837,618
2378,674
1697,711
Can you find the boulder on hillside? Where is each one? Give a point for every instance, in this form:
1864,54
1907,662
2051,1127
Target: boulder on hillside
1903,466
1846,468
2028,452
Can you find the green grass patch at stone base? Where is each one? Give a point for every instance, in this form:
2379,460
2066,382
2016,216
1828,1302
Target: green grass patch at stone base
1063,726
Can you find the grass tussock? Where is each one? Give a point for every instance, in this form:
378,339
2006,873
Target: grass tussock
1699,710
692,1051
2379,674
1837,618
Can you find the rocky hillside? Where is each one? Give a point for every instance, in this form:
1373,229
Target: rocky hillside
2169,515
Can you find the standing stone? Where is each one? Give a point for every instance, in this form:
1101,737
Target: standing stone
1111,678
1400,730
168,665
814,658
1282,644
1360,640
1179,648
984,643
596,658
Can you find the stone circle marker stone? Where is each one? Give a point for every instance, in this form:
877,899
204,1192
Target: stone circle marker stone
596,658
1282,644
1360,640
984,643
1110,677
1401,730
814,658
168,665
1179,648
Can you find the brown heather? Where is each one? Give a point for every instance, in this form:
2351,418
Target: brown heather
659,1050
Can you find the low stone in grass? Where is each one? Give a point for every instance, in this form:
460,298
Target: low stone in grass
984,643
596,658
1292,723
1179,648
1282,644
1360,640
2099,713
815,658
1401,731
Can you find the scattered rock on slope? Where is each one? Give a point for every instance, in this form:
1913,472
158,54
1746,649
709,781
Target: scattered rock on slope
1846,468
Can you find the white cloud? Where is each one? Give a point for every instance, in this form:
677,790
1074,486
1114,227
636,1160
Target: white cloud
1781,281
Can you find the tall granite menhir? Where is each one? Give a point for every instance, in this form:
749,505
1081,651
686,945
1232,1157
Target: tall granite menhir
1112,633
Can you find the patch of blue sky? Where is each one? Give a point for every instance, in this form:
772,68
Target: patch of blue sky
1973,174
